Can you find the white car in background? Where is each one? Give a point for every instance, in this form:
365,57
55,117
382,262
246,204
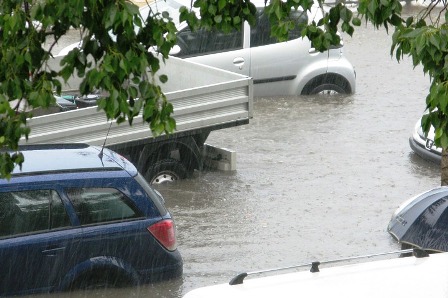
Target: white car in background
423,145
277,68
421,275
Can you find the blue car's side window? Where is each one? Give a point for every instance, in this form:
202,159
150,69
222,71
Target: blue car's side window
98,205
58,214
31,211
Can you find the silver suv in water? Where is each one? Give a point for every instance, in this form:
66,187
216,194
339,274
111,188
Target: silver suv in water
292,67
277,68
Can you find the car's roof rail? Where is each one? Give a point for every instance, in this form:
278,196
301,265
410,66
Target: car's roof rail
53,146
419,253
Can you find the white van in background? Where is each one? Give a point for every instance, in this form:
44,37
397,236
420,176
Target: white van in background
418,276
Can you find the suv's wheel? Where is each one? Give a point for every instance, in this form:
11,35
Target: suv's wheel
327,84
165,171
100,279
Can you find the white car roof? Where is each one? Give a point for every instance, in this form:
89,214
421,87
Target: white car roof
172,7
409,277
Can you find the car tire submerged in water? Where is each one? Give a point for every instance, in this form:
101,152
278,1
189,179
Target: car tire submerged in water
99,279
327,84
166,170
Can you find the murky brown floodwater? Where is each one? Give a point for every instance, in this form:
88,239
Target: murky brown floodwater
316,178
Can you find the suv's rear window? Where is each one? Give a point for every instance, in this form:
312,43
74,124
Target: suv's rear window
31,211
98,205
155,196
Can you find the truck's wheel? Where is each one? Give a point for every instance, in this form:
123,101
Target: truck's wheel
165,171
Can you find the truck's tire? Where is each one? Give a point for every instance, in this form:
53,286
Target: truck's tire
165,171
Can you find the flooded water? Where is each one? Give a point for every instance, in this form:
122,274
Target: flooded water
317,178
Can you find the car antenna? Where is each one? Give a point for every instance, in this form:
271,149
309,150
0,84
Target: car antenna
100,155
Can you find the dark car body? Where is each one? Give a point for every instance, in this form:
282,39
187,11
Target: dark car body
77,215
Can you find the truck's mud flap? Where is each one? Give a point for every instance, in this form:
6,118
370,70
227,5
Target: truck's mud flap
219,158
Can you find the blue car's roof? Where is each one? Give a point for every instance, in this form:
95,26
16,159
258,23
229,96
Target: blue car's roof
70,158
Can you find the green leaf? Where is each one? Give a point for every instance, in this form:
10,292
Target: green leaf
350,30
218,19
396,20
212,9
435,41
236,20
372,6
112,13
133,92
356,21
221,4
163,78
443,102
132,8
438,133
346,14
444,140
170,125
409,21
123,65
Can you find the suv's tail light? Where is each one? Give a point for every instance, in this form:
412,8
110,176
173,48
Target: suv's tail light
165,232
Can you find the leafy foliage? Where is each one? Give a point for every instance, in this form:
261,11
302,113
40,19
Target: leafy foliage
115,57
229,14
119,52
424,38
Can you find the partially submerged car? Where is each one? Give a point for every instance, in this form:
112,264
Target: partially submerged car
422,221
78,216
423,145
278,68
421,275
292,67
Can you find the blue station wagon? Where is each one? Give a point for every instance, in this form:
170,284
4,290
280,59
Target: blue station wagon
77,216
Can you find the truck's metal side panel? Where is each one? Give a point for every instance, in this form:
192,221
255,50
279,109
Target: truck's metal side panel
206,97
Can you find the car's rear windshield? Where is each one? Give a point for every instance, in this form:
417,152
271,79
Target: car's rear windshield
154,195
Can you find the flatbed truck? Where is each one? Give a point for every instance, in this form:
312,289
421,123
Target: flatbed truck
204,99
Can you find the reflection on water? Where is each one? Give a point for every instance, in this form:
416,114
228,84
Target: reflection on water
422,167
166,289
